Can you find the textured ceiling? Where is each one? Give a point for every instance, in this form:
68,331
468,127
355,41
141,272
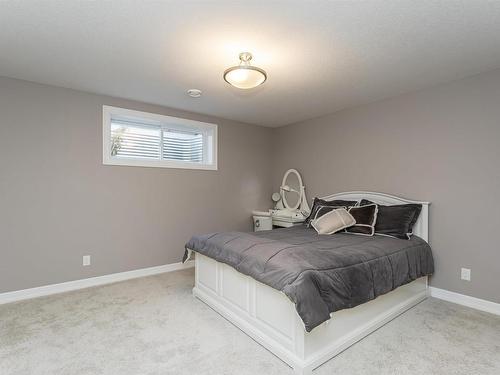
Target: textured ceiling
321,56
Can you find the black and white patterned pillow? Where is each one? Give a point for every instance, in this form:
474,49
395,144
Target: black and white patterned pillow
366,218
324,205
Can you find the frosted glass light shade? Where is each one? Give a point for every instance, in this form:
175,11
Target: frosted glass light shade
245,77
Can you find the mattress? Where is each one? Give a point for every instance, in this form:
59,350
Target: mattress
320,274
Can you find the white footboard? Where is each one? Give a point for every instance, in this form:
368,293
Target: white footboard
269,317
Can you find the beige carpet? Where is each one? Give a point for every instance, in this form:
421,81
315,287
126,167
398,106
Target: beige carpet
154,326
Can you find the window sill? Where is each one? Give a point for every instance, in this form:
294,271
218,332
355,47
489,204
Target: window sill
159,164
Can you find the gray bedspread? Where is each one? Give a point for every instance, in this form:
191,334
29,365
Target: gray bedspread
320,273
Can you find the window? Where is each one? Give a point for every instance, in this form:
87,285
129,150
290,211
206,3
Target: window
149,140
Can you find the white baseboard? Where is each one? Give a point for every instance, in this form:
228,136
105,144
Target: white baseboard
46,290
462,299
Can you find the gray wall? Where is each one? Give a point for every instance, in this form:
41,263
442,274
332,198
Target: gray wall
440,145
58,202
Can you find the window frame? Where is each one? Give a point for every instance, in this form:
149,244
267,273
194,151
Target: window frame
166,122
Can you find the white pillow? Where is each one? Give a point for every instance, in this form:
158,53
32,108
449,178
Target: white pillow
333,221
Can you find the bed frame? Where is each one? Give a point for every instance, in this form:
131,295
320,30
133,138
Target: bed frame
270,318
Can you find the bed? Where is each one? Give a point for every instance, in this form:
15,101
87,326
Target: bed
307,297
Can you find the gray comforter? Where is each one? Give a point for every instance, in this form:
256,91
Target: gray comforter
320,274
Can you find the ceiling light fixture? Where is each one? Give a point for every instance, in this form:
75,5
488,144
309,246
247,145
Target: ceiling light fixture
245,76
194,93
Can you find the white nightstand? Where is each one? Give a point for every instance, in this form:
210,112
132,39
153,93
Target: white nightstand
286,222
263,220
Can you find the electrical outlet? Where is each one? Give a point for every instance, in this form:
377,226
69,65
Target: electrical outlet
86,260
465,274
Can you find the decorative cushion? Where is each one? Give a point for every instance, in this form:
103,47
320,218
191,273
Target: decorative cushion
333,221
319,203
396,221
322,210
366,217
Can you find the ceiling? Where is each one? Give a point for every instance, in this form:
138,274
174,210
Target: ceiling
320,56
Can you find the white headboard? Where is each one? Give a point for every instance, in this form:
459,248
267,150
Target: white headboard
421,227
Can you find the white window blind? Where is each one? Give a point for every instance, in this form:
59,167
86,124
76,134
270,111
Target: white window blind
142,139
185,146
133,141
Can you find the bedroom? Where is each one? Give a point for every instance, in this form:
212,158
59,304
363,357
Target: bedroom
393,97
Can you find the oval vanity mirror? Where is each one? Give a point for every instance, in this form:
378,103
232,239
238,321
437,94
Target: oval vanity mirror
291,189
